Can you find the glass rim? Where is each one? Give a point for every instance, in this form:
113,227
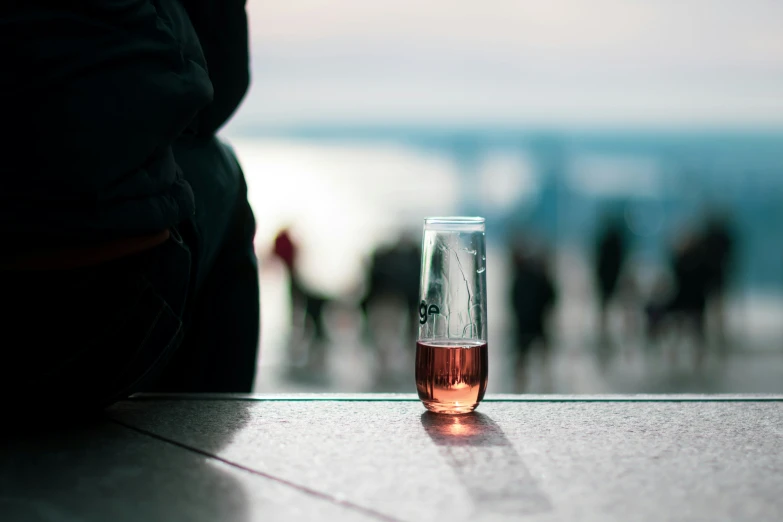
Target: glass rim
455,223
455,220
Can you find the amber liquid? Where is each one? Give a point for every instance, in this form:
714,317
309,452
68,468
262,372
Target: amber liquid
451,376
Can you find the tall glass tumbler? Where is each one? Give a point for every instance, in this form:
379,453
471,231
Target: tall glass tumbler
451,352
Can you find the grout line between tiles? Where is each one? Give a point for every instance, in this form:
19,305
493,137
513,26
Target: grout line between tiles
304,489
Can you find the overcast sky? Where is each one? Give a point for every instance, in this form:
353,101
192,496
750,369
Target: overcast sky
559,62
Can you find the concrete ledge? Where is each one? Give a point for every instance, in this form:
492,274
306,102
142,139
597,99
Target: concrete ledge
410,397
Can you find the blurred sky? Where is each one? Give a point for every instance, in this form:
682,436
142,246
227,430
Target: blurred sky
698,63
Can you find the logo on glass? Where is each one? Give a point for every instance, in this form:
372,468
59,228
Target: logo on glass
425,311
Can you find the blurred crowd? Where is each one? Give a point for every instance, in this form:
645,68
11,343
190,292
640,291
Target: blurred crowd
682,309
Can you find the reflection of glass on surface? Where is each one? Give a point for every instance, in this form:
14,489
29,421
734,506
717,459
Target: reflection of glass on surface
458,428
491,471
451,355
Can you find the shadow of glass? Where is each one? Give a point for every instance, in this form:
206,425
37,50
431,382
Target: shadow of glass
99,470
486,463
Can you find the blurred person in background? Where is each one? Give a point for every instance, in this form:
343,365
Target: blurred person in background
308,302
685,309
127,261
610,255
719,255
393,278
533,297
393,273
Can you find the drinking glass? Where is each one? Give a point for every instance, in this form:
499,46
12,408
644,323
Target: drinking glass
451,351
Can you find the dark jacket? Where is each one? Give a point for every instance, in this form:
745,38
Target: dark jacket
96,95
